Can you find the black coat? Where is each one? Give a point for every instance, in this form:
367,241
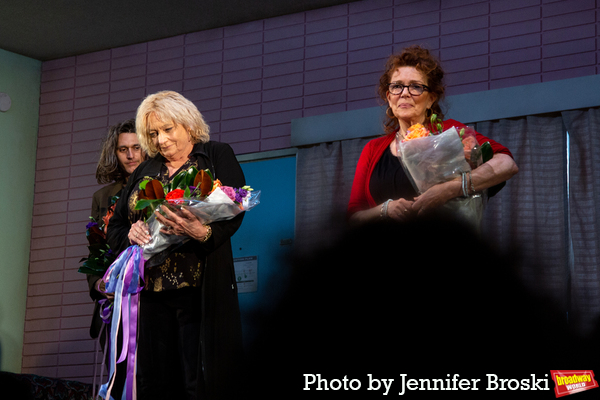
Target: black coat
221,332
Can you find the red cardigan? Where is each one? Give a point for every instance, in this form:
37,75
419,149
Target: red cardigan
360,196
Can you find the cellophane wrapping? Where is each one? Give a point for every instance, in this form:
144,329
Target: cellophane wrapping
216,207
435,159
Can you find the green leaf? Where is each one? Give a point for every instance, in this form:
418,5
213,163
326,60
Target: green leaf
175,183
191,175
143,184
486,152
142,204
186,192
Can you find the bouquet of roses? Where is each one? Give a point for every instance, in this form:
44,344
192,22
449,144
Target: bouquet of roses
207,198
430,158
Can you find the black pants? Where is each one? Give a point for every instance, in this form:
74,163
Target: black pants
168,344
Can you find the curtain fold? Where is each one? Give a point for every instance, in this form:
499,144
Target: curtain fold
527,217
323,183
584,173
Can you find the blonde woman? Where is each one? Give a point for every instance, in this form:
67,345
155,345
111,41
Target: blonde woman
189,323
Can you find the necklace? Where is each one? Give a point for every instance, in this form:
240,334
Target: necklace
399,138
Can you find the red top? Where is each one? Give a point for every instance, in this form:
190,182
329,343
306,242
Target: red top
360,197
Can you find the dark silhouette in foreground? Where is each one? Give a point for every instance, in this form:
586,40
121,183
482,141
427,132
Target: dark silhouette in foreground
426,298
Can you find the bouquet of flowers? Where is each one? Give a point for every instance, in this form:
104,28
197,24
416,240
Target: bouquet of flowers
430,158
101,256
198,192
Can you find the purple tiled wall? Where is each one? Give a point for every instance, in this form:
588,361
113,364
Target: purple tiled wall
250,81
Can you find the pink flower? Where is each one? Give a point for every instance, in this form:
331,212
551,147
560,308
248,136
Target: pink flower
229,191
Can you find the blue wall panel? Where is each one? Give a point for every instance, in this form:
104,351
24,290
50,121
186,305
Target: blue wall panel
263,230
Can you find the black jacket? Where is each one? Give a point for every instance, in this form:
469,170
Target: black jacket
221,332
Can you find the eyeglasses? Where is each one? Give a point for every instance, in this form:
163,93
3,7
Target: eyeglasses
414,88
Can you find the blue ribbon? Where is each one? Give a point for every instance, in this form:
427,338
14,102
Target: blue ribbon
123,279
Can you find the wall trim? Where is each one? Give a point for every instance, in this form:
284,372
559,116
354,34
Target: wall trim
266,155
487,105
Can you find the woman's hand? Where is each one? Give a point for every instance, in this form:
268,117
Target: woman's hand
499,169
139,234
182,223
101,288
400,209
436,196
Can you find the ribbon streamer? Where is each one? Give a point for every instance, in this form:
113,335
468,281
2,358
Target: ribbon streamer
123,279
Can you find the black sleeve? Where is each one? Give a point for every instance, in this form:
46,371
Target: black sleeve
92,279
229,172
96,208
119,225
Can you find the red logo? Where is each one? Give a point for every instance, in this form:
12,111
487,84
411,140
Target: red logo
572,381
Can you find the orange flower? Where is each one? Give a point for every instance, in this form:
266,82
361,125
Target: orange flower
216,184
416,131
468,143
109,214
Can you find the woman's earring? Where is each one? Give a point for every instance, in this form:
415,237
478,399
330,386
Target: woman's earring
389,112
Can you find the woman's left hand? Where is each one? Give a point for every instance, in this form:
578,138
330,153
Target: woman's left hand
499,169
181,223
436,196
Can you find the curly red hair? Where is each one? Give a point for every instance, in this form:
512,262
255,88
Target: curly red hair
424,62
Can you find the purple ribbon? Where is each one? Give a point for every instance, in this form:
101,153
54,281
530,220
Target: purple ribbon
123,279
106,307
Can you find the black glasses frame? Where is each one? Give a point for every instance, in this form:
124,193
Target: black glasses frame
413,85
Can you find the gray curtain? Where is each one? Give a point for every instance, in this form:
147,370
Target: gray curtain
527,218
554,238
584,182
323,184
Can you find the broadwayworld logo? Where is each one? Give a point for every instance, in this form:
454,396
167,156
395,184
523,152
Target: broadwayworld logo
570,381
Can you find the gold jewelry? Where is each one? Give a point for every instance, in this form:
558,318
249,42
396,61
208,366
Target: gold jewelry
208,233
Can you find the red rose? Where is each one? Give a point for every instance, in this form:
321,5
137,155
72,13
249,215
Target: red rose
175,196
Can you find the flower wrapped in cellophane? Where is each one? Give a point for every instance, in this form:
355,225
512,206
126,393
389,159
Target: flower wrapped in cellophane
196,191
193,190
430,158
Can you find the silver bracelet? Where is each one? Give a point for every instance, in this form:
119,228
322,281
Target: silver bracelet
472,184
383,213
465,188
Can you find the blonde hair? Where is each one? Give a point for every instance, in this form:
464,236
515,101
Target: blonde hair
169,106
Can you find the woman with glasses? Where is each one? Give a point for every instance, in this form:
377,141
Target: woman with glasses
412,85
